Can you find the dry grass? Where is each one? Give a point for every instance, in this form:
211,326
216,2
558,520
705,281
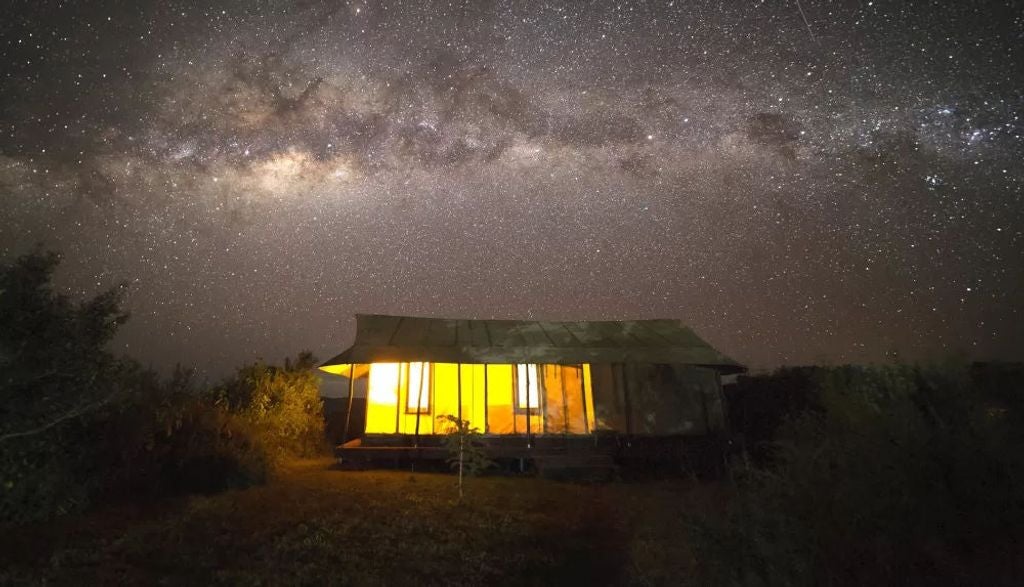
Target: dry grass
314,525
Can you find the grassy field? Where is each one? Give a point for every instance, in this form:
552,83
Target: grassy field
315,525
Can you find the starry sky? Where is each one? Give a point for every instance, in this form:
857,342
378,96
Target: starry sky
798,181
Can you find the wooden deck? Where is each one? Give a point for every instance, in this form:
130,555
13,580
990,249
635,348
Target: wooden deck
590,454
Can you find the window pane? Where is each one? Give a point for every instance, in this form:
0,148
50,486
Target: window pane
382,397
418,398
527,386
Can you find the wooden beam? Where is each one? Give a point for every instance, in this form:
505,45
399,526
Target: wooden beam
419,406
399,408
515,399
542,399
529,425
351,398
583,393
565,400
487,404
625,398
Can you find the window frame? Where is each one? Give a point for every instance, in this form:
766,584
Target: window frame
428,373
517,406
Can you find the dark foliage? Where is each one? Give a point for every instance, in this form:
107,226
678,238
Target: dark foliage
895,475
54,375
758,405
466,453
78,424
281,404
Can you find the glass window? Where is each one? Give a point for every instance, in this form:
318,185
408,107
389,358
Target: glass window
417,400
527,387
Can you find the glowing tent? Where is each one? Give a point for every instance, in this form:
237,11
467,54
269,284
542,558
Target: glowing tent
539,382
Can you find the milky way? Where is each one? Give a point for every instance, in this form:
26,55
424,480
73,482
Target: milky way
840,189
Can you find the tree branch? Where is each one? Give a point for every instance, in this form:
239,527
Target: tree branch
78,411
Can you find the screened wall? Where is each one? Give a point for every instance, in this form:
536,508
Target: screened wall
656,399
407,398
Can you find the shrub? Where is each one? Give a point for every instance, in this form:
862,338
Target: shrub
758,405
902,475
171,439
78,424
281,404
465,450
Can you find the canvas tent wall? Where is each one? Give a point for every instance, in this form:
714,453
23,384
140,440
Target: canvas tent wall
652,377
657,399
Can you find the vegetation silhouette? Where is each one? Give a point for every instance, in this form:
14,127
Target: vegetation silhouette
79,425
889,474
893,474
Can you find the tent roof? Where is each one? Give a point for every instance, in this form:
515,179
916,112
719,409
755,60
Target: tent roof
382,339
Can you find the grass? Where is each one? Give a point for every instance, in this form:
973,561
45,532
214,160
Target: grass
315,525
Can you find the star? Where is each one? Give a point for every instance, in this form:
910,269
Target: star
797,187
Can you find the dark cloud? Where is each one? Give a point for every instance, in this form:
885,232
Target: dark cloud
598,129
775,130
638,165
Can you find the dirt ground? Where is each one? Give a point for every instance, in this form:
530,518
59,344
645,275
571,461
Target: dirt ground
313,524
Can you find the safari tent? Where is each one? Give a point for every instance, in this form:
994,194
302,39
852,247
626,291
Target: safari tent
536,390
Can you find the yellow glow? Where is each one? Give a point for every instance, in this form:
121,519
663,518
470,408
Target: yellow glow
527,386
500,416
588,396
418,399
383,387
336,369
382,397
343,369
560,397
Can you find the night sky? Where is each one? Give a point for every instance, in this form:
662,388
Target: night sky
816,182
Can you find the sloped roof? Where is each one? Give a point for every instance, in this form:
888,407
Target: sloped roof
381,339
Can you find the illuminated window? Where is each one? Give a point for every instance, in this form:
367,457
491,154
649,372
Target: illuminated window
417,401
527,387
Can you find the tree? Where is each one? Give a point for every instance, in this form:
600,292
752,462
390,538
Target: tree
78,424
53,365
54,372
465,450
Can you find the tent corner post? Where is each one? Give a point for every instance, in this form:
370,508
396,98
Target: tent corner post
487,406
458,379
351,399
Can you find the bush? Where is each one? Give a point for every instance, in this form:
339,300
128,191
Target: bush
79,425
758,405
171,439
281,404
55,374
899,475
